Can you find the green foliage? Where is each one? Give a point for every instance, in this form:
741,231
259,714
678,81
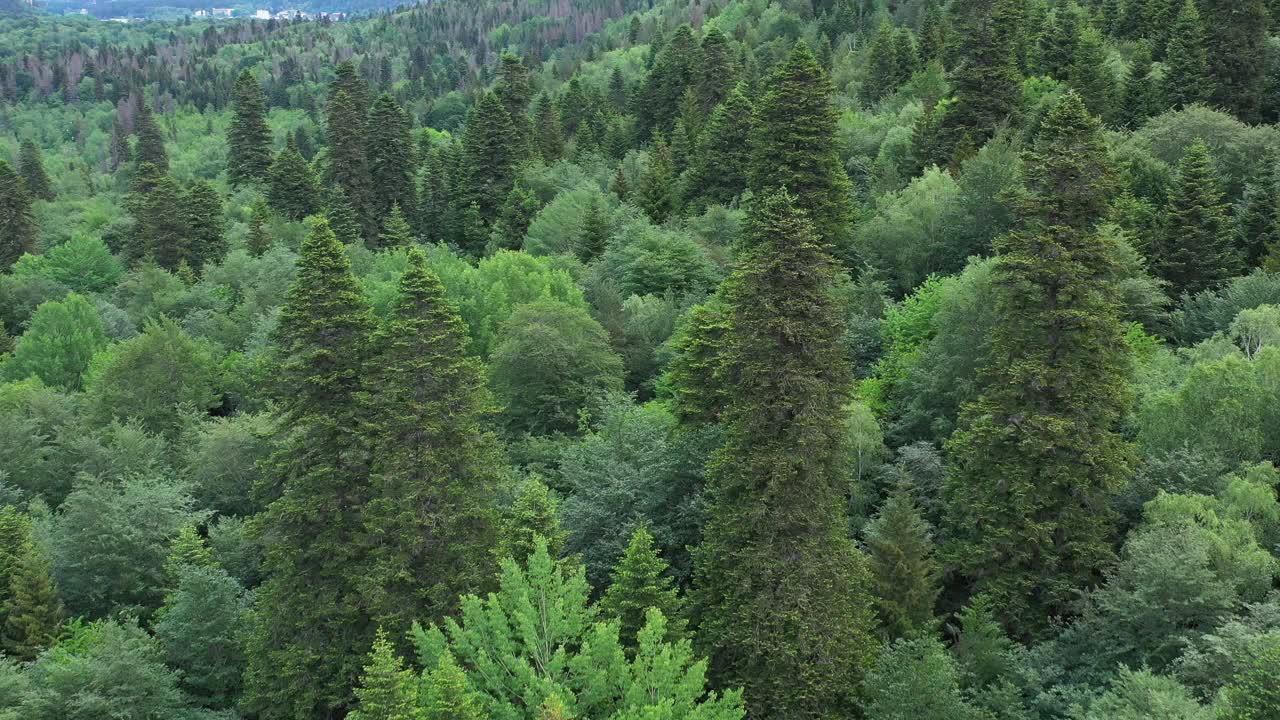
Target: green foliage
32,610
392,159
647,260
793,629
1253,694
348,162
1197,251
720,171
915,680
1186,79
316,483
150,148
491,147
533,518
31,167
154,379
109,543
291,184
536,644
59,343
1139,695
551,361
201,633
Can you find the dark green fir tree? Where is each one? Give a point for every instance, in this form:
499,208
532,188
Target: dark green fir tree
987,82
150,147
1140,95
248,137
291,184
349,162
31,166
720,171
1196,249
17,223
780,589
207,242
548,132
1236,44
392,158
311,630
490,149
259,240
1186,76
1256,213
1038,454
906,575
795,149
33,612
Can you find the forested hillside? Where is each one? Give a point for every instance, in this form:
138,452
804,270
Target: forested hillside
643,360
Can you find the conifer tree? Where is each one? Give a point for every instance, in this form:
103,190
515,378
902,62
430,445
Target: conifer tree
387,690
348,161
187,550
697,394
906,575
346,79
640,582
1236,45
1186,77
1060,41
310,632
436,467
119,150
1256,214
795,149
490,149
341,217
392,157
291,185
17,223
447,695
882,66
988,84
33,612
548,133
656,193
674,70
780,589
150,141
248,137
1038,453
1089,75
31,167
160,224
259,240
595,232
202,208
395,230
534,514
1196,248
717,71
515,92
1140,95
933,32
15,536
720,170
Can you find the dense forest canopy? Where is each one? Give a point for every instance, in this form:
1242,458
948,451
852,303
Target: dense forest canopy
643,359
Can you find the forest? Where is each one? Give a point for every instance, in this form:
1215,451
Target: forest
643,360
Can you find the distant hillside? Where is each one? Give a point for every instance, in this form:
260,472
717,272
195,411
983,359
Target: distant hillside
168,8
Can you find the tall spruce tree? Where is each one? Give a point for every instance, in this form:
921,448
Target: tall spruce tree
1186,76
311,631
674,69
795,149
291,185
640,582
1256,214
987,81
348,159
1236,41
906,575
259,240
17,223
248,137
202,208
437,468
882,66
1196,248
548,132
1140,95
33,612
717,72
392,158
657,193
720,170
31,167
1040,450
514,90
396,231
780,589
491,150
150,141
